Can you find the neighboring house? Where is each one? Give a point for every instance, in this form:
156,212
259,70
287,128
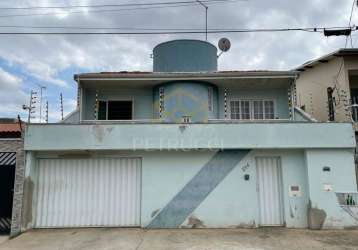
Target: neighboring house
11,174
188,146
327,88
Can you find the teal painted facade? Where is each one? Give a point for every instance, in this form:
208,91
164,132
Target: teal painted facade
182,99
233,201
142,101
185,56
290,135
203,172
340,178
185,99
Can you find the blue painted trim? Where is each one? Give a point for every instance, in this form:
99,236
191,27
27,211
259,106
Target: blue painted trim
197,189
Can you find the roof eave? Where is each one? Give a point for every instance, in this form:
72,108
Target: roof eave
183,76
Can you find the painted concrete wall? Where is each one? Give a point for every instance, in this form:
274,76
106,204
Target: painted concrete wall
177,136
142,101
280,96
146,100
186,99
325,211
233,202
73,117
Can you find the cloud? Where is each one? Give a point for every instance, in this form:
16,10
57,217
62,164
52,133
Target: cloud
11,95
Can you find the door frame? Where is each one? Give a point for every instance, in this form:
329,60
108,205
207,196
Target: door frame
280,188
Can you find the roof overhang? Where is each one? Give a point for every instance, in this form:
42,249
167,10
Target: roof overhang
150,79
327,58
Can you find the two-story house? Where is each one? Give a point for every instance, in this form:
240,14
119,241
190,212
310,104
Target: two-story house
327,88
188,146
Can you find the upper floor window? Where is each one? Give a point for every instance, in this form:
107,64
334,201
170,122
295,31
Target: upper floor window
242,109
115,110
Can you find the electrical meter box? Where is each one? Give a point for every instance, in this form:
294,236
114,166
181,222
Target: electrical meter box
295,191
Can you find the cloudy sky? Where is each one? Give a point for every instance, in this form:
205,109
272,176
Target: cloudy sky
27,62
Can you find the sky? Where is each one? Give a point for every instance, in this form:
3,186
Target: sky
30,61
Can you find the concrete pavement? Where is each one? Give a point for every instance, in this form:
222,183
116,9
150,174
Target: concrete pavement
192,239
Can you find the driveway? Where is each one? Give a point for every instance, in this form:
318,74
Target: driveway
248,239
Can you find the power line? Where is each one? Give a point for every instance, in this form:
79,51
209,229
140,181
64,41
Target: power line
191,3
212,31
111,5
308,29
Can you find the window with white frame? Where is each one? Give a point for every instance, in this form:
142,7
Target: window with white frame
252,109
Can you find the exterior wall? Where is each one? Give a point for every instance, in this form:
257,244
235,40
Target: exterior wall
324,209
73,117
279,95
142,101
233,202
312,87
16,145
186,99
123,136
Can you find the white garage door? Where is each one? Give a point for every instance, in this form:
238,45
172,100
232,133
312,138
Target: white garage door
88,192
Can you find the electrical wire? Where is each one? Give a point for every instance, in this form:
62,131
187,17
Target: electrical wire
306,29
189,3
211,31
111,5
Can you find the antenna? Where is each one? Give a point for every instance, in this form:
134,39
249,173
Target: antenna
61,107
224,45
31,107
206,18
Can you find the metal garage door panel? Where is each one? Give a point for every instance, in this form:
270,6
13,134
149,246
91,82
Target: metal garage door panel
269,191
88,192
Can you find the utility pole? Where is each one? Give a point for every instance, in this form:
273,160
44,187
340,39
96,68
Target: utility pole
31,107
41,88
206,18
61,103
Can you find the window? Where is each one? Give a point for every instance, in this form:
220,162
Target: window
252,109
115,110
269,110
258,109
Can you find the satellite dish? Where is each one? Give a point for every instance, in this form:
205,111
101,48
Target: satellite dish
224,44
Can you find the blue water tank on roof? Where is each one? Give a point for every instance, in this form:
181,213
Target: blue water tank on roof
185,56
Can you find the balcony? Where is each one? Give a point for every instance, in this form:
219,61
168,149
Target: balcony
217,134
